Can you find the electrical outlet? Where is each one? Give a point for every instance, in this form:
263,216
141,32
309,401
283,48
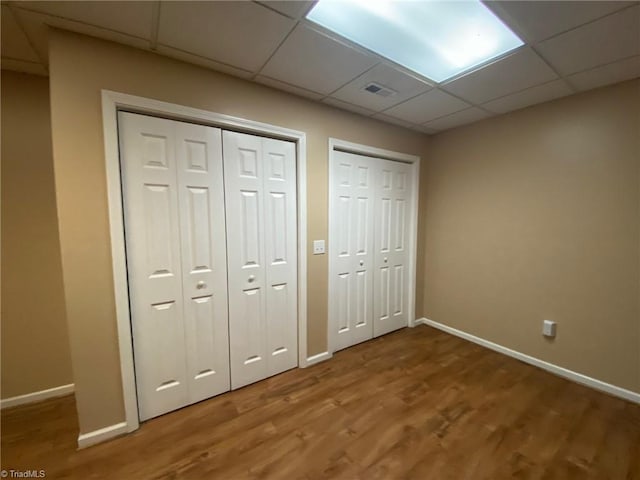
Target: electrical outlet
549,328
318,247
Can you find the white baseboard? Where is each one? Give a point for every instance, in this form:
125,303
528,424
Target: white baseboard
37,396
97,436
550,367
416,322
320,357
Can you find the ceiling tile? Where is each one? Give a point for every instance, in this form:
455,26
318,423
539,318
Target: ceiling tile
241,34
14,43
405,86
520,70
530,96
540,20
132,18
316,62
604,41
36,29
270,82
393,120
36,26
203,62
608,74
433,104
290,8
463,117
24,67
348,106
423,129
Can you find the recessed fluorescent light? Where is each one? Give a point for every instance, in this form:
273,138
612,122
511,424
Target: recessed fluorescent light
436,39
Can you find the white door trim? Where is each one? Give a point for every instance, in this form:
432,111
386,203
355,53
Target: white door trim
111,103
336,144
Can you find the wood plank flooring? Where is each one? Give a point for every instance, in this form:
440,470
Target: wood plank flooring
415,404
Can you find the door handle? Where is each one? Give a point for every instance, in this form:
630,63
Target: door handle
251,278
386,259
201,285
361,263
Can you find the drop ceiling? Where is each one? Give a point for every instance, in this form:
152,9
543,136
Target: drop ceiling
570,47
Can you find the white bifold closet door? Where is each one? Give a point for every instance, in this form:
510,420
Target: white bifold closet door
391,228
260,187
176,260
369,215
351,209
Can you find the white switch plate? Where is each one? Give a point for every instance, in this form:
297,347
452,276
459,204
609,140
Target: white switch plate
318,247
549,328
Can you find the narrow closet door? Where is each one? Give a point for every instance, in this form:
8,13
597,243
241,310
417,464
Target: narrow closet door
281,251
176,254
393,200
351,248
261,234
204,262
150,191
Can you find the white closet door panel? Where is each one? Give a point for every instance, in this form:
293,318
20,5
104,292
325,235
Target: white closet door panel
351,248
160,354
391,253
342,307
383,293
363,307
244,189
260,186
278,158
248,338
341,205
281,339
250,234
203,240
150,193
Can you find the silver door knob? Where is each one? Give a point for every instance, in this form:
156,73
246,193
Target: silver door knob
251,278
386,260
201,285
361,262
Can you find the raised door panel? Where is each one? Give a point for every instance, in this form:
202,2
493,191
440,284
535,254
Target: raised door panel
342,304
250,229
342,220
383,294
150,191
361,319
203,240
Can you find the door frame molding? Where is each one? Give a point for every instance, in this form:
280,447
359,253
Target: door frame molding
112,102
337,145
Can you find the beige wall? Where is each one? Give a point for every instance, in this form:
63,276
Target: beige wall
527,216
79,68
536,215
35,348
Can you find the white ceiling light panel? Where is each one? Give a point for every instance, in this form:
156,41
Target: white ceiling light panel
436,39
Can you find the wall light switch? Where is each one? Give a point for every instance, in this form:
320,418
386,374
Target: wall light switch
549,328
318,247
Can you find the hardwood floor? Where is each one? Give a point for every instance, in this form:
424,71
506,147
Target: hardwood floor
417,404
